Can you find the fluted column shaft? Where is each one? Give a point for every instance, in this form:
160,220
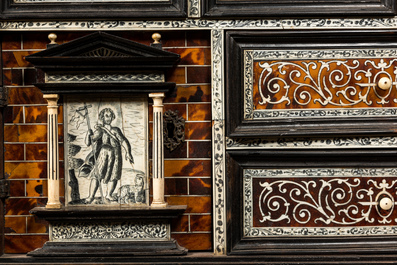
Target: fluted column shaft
158,151
52,152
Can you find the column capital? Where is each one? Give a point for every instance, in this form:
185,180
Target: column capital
52,99
157,95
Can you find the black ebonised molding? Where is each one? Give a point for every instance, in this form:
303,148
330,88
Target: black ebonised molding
288,8
93,10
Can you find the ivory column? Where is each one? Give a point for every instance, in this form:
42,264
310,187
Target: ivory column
158,151
52,152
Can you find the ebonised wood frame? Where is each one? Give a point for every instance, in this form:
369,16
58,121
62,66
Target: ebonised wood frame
93,10
360,246
239,41
277,8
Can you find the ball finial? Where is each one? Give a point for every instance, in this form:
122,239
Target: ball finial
156,37
52,37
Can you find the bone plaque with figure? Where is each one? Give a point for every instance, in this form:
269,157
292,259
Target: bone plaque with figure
106,151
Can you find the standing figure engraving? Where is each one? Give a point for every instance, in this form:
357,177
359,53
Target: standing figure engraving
104,163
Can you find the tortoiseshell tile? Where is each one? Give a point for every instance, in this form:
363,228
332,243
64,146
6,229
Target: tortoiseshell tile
199,112
25,170
197,204
200,74
60,133
194,241
11,133
142,37
25,95
60,114
25,133
176,75
200,223
198,38
180,224
179,109
175,186
15,244
37,40
17,188
200,186
173,38
16,77
11,41
66,36
200,149
16,59
187,168
150,131
21,206
13,114
36,151
15,225
36,114
29,77
198,130
7,77
13,152
193,56
200,93
178,152
36,225
35,188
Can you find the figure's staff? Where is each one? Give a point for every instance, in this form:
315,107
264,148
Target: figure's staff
87,118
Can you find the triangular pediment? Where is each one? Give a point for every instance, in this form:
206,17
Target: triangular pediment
106,49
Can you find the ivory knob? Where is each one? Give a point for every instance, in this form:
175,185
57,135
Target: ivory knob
385,203
384,83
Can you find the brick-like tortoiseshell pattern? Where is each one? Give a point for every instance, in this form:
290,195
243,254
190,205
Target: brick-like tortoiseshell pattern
187,168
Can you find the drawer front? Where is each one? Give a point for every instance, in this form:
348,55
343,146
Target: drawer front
311,83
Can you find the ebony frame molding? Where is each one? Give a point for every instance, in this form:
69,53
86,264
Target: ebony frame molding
277,8
93,10
239,41
239,160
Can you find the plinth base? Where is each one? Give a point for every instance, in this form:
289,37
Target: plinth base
106,249
100,232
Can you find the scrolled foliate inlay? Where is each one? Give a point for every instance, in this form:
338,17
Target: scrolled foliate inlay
319,83
325,201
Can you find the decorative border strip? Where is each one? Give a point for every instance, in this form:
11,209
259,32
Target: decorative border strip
368,23
310,143
78,78
250,231
218,143
322,54
83,231
194,8
323,113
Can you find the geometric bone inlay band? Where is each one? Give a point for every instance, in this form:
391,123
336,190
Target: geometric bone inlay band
320,202
109,231
133,77
319,83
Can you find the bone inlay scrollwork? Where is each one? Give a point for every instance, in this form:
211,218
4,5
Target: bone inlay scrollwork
318,199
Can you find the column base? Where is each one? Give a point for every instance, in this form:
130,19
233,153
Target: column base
159,204
53,206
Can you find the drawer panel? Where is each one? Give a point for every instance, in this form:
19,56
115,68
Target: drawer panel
311,83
